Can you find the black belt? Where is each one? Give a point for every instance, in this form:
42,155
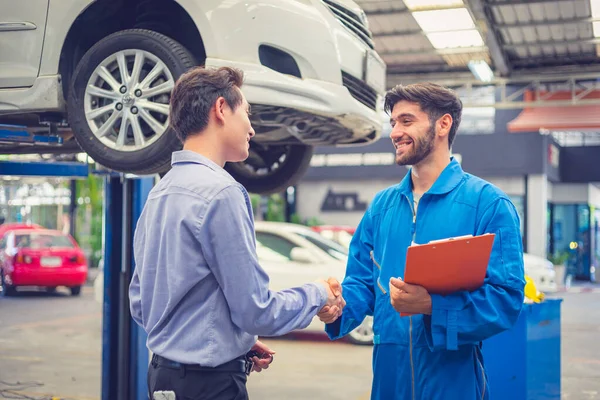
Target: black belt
235,365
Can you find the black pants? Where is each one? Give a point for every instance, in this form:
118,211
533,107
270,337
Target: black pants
191,383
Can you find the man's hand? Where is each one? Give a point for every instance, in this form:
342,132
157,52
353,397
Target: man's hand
335,302
266,356
409,298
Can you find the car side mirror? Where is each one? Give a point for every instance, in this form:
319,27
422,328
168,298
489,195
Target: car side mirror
301,255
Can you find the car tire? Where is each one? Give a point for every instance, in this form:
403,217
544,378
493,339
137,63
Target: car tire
97,106
271,168
75,290
363,334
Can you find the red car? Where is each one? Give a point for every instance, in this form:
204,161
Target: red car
41,257
338,233
17,225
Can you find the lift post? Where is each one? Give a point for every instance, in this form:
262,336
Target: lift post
124,353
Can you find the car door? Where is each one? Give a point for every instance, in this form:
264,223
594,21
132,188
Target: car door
275,256
22,27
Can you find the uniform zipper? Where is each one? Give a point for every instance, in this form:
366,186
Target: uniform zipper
482,376
378,267
410,326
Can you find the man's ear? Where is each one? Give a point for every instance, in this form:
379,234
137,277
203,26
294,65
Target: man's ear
219,108
444,125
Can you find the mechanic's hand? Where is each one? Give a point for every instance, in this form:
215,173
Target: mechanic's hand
409,298
335,302
266,356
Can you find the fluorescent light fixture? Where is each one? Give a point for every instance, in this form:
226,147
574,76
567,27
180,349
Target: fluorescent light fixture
596,26
444,20
481,70
455,39
595,6
430,4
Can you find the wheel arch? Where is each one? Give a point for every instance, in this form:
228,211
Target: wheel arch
105,17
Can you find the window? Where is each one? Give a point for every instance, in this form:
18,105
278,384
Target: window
276,244
332,248
42,241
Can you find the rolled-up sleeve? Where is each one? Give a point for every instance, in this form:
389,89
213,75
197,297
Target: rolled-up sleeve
226,235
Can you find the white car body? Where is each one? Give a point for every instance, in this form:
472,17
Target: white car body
296,255
32,35
541,271
332,96
310,258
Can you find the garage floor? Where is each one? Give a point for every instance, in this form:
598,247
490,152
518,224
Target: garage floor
51,345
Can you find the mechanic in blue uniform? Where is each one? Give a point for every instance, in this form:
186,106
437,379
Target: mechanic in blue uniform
436,353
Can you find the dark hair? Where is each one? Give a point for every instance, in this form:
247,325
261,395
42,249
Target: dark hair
434,100
196,91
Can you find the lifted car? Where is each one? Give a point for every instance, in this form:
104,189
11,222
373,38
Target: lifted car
99,74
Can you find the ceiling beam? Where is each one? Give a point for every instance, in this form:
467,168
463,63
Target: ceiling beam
434,52
558,22
397,33
564,62
407,10
550,43
523,2
482,15
389,11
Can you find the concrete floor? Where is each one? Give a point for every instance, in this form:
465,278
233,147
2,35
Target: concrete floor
51,343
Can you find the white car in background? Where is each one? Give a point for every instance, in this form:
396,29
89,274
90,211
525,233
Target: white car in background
294,254
541,271
98,74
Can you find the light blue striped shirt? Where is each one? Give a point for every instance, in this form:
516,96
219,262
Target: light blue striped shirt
197,288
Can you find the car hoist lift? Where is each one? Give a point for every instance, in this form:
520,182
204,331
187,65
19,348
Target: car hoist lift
124,353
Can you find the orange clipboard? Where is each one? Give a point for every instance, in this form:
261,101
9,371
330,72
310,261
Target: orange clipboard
449,265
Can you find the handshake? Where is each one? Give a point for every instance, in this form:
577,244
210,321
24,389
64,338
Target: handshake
335,302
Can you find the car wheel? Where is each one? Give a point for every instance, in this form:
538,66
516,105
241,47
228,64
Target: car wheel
363,334
271,168
75,290
119,100
7,290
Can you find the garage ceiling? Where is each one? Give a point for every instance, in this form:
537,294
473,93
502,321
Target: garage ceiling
436,39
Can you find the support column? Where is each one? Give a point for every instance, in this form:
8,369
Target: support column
537,208
124,352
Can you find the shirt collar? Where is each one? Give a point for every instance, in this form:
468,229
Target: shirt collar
448,179
188,156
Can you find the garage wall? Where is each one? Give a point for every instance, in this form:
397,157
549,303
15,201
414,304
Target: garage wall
338,202
343,202
512,186
594,195
569,193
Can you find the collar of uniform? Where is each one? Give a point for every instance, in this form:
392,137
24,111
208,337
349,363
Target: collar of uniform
448,179
188,156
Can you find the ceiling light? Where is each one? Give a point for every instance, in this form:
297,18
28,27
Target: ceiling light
595,6
596,26
455,39
433,4
481,70
444,20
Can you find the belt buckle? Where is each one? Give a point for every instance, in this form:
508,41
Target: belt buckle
249,365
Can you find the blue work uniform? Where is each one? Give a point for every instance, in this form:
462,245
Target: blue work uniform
437,356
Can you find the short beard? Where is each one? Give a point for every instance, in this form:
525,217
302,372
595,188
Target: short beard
422,147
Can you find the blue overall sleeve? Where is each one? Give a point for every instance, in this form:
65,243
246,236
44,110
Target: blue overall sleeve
357,286
470,317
